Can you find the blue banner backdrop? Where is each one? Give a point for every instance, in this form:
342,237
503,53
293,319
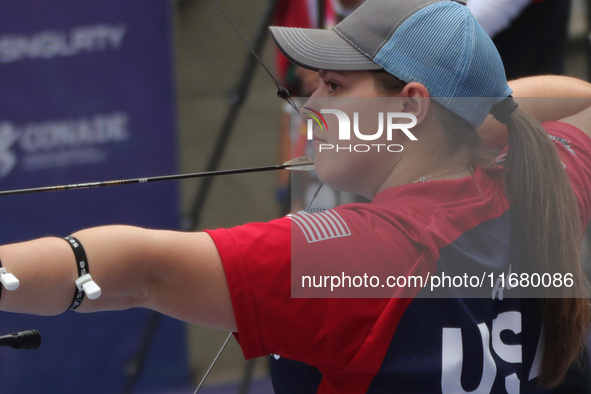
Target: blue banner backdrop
86,94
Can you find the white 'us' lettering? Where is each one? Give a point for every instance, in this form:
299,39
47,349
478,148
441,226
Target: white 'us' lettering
453,355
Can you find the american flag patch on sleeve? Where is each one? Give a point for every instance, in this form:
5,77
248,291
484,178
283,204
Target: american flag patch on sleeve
320,226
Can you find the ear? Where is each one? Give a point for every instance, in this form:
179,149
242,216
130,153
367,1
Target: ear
417,100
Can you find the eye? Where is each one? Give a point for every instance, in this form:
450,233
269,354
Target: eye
332,86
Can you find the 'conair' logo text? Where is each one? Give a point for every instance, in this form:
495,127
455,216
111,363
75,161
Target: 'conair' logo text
60,143
344,134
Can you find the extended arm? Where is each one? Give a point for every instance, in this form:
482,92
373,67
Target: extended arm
178,274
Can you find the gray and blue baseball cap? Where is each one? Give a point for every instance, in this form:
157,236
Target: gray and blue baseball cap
437,43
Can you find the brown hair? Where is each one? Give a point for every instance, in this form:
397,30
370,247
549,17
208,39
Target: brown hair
547,210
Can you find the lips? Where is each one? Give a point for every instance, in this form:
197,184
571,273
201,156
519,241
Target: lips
318,139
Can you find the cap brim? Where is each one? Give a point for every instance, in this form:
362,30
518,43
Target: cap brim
319,49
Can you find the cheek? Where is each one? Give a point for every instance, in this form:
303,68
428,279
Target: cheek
368,128
340,170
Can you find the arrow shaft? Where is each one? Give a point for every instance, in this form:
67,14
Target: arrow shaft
150,179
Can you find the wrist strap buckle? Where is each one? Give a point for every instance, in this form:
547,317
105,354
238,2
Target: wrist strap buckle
9,281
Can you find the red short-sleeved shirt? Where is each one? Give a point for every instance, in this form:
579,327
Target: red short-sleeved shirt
405,342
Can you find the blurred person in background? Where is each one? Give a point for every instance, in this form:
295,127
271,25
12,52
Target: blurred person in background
530,35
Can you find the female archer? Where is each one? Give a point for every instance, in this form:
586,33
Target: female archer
438,205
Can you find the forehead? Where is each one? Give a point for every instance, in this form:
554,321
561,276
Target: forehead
352,76
324,73
341,74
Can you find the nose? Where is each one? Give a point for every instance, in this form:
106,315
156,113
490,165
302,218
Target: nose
312,104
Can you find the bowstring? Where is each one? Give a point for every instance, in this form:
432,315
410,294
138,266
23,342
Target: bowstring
214,360
314,197
230,335
282,91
